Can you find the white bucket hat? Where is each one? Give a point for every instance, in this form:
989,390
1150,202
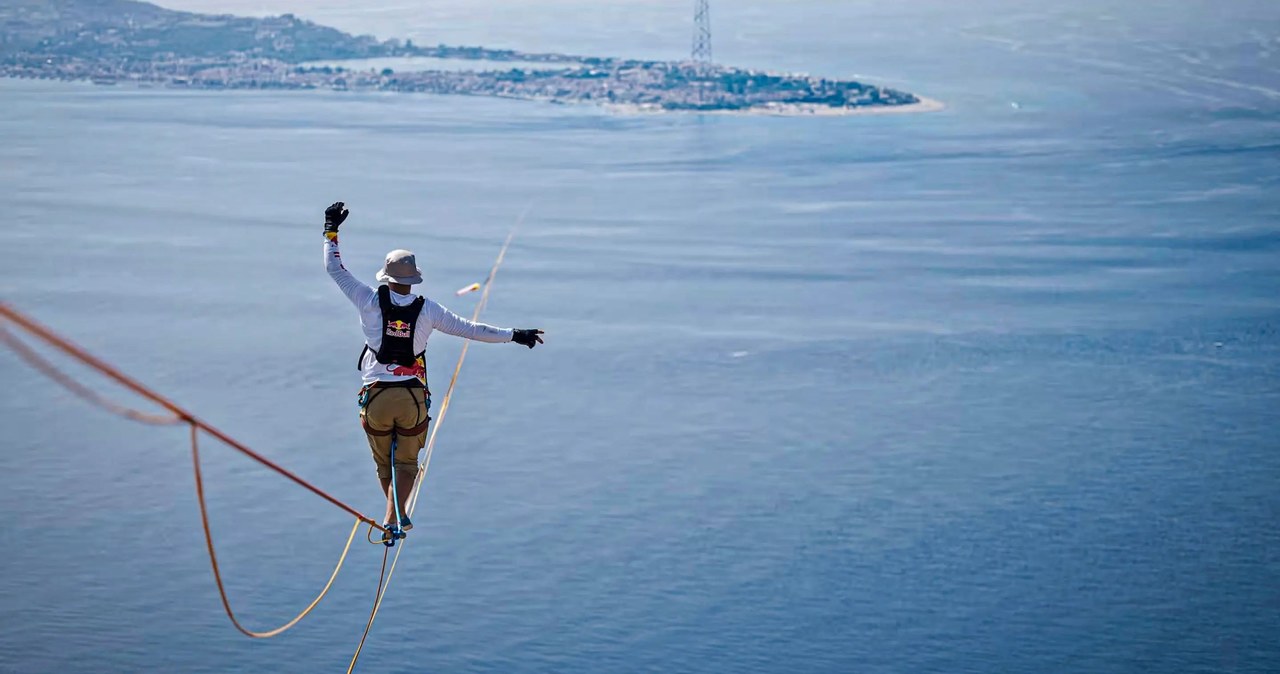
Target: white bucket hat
400,267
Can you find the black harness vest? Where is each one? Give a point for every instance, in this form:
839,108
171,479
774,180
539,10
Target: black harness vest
398,327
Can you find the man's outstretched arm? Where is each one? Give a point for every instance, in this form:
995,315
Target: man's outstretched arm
450,323
359,293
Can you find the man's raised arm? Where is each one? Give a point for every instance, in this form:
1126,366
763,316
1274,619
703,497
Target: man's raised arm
359,293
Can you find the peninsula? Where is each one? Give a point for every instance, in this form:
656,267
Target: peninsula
125,41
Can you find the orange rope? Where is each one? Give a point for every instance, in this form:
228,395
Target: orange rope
92,361
431,442
213,556
49,370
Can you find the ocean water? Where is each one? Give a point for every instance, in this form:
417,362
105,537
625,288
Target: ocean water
991,389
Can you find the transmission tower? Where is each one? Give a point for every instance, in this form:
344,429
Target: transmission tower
702,32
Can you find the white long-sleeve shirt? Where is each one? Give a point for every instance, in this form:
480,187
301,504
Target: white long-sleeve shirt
433,317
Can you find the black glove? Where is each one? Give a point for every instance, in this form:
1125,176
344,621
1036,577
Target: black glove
528,337
334,216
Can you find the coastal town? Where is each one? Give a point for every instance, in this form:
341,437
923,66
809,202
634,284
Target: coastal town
648,84
139,43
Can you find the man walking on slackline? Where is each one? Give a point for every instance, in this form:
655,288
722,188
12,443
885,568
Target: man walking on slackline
395,400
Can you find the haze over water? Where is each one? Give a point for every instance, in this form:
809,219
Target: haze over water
991,389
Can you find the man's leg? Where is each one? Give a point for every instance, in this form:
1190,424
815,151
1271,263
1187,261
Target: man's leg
413,417
386,491
404,488
378,419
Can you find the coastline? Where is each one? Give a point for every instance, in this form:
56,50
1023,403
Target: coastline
784,109
623,109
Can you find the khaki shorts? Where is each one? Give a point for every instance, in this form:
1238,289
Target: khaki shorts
399,413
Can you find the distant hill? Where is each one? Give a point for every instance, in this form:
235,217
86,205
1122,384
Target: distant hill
113,41
130,29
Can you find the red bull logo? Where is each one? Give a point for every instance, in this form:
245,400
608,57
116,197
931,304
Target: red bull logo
398,329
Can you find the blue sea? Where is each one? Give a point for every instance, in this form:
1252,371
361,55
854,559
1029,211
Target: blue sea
990,389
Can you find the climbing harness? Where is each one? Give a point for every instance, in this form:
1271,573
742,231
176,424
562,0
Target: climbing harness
369,392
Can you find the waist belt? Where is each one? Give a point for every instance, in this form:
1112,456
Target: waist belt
404,383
